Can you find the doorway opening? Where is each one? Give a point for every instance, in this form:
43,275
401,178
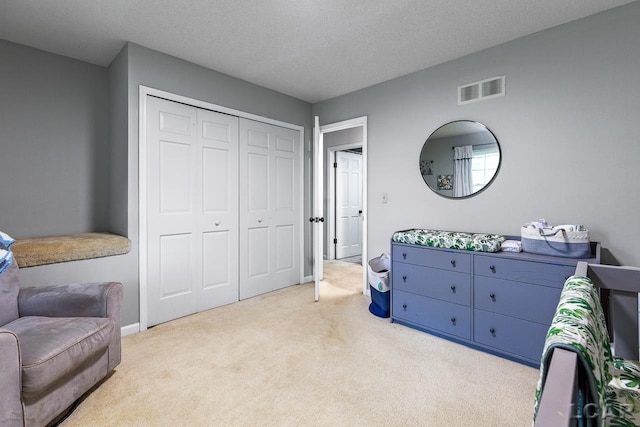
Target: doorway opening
344,207
341,141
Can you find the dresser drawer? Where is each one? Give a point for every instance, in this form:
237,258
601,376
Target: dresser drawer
431,313
516,336
539,273
432,282
521,300
437,258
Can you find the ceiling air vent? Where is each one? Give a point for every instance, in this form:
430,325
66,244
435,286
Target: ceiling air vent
481,90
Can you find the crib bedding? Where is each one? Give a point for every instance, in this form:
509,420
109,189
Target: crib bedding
451,240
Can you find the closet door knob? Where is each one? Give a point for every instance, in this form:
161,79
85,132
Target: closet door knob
404,307
493,331
404,256
453,263
492,296
259,219
404,278
492,268
453,288
217,223
453,320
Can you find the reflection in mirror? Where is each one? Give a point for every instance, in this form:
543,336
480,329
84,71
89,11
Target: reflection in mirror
460,159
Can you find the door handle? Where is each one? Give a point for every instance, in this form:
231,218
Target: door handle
216,223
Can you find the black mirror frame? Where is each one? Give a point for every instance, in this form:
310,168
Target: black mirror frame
487,184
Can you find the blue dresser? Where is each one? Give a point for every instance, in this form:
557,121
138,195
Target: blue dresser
500,302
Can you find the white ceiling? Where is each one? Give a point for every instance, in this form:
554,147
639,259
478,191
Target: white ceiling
309,49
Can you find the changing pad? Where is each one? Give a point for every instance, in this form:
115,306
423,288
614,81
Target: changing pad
451,240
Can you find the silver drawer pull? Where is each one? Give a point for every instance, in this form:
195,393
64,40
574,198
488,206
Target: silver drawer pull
404,256
492,296
453,263
404,278
453,320
404,307
453,288
493,331
492,268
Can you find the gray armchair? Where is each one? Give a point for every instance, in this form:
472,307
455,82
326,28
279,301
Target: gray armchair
56,343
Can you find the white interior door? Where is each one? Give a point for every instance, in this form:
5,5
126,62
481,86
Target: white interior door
171,207
192,158
218,226
348,204
318,206
269,207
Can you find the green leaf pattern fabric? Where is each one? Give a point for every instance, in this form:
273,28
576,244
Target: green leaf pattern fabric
579,326
451,240
626,374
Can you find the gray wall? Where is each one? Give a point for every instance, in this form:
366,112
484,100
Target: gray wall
54,158
568,129
55,161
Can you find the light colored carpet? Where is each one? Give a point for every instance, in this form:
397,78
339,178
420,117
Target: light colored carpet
281,359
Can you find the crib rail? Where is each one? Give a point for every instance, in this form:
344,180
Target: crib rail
559,396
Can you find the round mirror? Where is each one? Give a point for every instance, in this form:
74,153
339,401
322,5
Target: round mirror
460,159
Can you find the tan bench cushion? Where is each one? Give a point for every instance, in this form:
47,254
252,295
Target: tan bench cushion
34,251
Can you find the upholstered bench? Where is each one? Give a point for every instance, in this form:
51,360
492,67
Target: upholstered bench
34,251
580,380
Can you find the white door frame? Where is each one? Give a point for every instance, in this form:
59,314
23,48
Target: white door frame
331,195
334,127
144,91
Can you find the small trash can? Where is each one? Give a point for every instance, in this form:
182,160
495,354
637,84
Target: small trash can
378,277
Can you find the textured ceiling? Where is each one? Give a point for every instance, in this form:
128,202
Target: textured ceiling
309,49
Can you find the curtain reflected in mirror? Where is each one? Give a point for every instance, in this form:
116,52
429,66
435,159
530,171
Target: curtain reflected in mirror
460,159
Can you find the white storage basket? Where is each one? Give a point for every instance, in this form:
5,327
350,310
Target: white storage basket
556,241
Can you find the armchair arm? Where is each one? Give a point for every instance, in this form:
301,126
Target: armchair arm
11,413
75,300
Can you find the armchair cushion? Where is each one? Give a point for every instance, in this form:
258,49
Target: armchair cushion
53,347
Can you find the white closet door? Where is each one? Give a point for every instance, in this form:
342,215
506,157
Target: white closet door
348,204
218,223
269,208
192,226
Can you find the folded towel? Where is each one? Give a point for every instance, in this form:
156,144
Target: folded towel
5,240
511,246
6,256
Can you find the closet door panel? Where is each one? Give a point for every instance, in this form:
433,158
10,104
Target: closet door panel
192,209
216,185
257,194
175,266
171,148
218,219
270,203
285,245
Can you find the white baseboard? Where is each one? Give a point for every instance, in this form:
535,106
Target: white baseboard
130,329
